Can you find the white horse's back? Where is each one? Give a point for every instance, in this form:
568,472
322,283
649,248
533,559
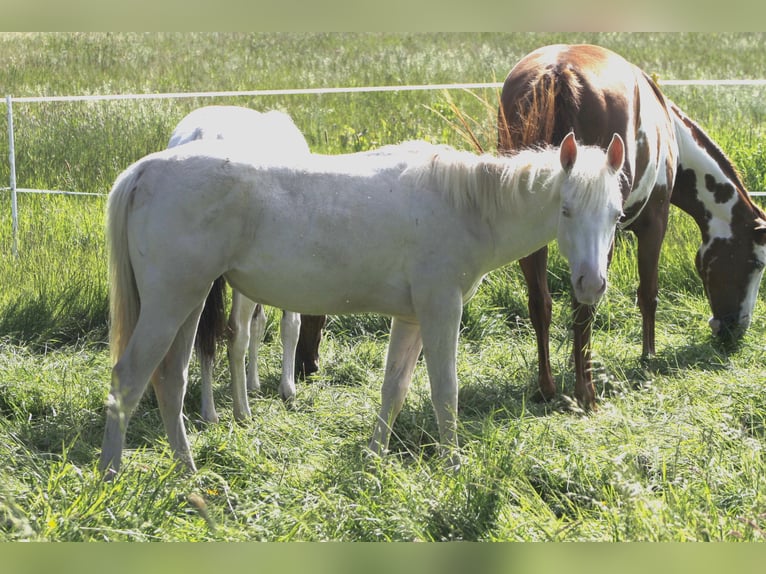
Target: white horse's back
258,134
236,211
262,133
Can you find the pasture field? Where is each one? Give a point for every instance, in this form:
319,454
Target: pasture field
676,451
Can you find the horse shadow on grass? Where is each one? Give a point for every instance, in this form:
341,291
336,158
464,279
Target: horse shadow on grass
704,356
415,433
518,396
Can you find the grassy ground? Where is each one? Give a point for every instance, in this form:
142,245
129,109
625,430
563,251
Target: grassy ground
675,451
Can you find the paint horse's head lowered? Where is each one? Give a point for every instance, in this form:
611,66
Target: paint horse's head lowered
731,267
587,252
732,256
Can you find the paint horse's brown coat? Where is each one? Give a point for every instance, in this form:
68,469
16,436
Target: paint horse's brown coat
596,92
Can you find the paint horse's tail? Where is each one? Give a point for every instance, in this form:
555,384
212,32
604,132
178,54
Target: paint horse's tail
124,303
543,115
212,323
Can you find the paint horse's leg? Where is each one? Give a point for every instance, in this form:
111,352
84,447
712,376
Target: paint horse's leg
582,324
403,350
257,332
289,329
307,352
241,314
650,228
207,409
535,268
582,317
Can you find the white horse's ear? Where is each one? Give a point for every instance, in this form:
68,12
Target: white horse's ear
568,152
615,153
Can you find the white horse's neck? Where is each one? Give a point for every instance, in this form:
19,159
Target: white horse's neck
517,199
526,226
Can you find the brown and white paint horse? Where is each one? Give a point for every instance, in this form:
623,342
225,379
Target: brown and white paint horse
669,159
731,259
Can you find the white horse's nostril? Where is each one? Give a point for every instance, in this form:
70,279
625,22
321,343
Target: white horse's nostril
582,286
590,291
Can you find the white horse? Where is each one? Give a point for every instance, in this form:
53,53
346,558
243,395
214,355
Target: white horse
259,134
408,232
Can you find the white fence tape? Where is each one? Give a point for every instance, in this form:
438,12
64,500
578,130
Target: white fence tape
341,90
10,100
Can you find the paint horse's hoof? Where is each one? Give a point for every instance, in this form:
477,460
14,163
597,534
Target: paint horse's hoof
306,367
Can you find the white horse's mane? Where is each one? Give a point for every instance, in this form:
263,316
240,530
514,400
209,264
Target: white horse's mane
490,183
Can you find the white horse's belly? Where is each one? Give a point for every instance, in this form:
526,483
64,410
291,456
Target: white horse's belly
305,289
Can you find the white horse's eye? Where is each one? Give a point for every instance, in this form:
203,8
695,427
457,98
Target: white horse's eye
565,211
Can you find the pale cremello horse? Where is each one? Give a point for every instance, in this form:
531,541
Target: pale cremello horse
669,160
407,231
259,134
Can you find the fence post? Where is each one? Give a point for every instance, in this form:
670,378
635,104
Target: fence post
12,161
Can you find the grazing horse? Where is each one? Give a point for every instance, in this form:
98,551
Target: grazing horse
407,231
668,159
732,256
262,134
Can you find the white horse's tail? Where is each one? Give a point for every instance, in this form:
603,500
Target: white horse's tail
124,303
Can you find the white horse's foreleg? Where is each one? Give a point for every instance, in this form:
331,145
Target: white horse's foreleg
403,351
257,332
169,383
440,326
289,330
152,337
239,322
207,410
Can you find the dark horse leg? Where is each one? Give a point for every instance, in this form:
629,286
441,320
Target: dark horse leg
582,317
540,303
650,230
307,351
535,268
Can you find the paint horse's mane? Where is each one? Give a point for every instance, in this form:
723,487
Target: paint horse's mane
538,115
490,183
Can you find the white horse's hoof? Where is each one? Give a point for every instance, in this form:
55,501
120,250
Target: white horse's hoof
210,418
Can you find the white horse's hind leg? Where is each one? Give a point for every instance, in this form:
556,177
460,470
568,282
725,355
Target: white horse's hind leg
403,350
257,332
207,410
239,322
152,337
289,330
169,383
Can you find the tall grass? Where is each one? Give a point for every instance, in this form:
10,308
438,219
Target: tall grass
674,453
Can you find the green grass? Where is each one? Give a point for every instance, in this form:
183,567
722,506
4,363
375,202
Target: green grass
675,451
